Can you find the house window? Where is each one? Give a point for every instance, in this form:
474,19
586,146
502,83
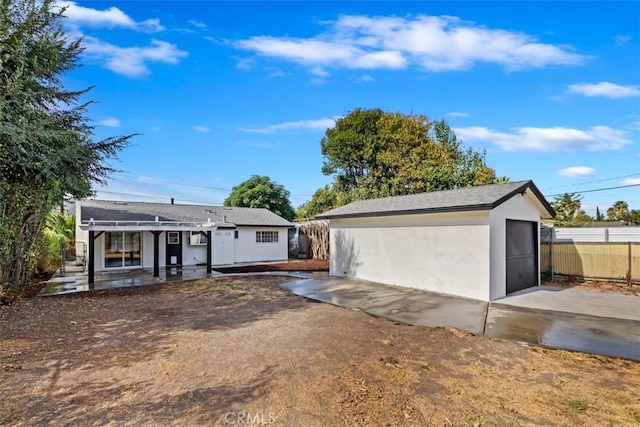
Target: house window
173,237
235,234
122,249
198,238
266,237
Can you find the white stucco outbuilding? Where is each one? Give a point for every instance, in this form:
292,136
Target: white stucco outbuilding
479,242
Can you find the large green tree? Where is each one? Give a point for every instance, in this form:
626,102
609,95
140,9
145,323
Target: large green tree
46,145
262,192
374,153
324,199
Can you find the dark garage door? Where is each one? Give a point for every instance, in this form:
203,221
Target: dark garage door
522,255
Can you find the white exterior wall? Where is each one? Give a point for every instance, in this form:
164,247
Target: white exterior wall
523,208
147,249
444,252
81,235
191,254
247,250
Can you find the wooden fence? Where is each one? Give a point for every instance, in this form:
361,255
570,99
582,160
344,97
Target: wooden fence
609,261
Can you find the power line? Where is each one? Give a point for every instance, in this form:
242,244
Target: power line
145,178
593,182
142,179
596,189
146,196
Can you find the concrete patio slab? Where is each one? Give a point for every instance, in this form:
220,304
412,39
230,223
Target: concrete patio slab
571,319
75,280
569,331
405,305
575,300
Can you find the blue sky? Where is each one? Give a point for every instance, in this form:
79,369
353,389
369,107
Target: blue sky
220,91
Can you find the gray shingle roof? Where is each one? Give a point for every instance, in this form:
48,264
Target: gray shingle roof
463,199
106,210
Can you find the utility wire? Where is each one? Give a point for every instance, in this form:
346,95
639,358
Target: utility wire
596,189
592,182
146,196
143,179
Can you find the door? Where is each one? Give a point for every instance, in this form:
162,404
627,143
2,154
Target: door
174,248
522,255
222,247
122,249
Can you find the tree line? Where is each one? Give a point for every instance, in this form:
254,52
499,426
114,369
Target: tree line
569,212
47,150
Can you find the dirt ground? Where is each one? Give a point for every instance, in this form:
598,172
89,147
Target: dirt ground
240,351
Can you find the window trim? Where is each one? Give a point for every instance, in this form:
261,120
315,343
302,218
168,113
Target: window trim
264,236
171,235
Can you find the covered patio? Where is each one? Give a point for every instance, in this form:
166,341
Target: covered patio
156,228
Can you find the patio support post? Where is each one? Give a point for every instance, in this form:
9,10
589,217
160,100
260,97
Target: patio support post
209,243
92,261
156,249
91,253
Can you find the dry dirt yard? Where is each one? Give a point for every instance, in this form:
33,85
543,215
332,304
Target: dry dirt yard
240,351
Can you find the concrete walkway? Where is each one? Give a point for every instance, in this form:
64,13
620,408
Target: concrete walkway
395,303
572,319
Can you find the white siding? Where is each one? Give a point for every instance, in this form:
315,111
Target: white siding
247,250
446,253
523,208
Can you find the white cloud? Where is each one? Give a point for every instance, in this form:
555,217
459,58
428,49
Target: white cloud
548,139
603,89
198,24
312,125
109,18
132,61
622,39
319,72
577,172
245,64
631,181
365,78
259,144
275,73
202,129
433,43
111,122
457,114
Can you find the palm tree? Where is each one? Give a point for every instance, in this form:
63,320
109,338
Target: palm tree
567,208
618,212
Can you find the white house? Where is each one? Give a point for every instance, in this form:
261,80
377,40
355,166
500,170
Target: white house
127,235
479,242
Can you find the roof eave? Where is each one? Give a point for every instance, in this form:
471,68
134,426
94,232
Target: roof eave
528,185
465,208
